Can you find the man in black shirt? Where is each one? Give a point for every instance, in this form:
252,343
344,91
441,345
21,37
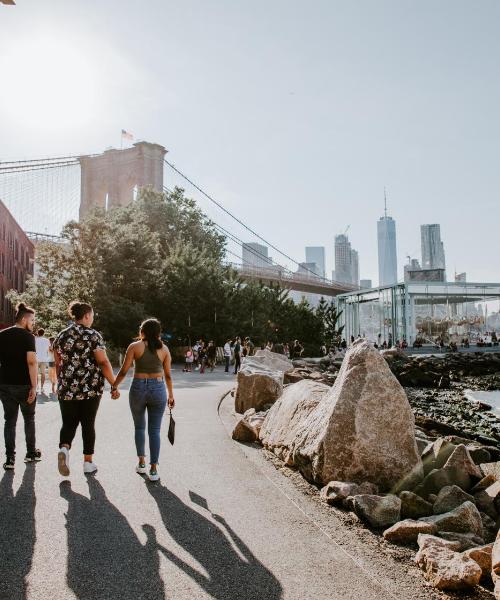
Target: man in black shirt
18,380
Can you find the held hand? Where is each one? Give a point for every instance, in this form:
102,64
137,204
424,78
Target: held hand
171,402
115,394
32,395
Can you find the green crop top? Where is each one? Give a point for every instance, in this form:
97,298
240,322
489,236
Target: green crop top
148,362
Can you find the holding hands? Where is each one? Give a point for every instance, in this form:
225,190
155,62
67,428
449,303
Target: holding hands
115,394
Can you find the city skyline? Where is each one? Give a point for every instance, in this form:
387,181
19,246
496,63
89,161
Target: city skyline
428,130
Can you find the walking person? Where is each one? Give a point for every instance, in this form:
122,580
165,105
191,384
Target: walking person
42,355
52,366
82,365
18,383
227,354
211,355
148,393
237,355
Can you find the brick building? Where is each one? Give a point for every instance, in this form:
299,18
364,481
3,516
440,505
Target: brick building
17,255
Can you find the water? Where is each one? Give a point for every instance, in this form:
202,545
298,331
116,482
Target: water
492,398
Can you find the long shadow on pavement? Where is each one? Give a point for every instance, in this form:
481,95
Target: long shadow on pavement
106,560
18,534
231,574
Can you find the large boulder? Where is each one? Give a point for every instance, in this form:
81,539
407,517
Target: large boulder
287,417
482,556
448,570
377,511
464,519
248,427
424,540
271,360
464,540
257,386
363,429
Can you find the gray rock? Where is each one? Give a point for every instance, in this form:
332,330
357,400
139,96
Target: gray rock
464,519
377,511
465,540
495,566
461,459
485,503
436,454
413,506
424,540
270,360
489,527
448,570
479,454
248,427
406,532
335,492
449,498
440,478
363,430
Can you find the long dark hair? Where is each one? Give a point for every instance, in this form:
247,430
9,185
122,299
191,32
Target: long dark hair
150,331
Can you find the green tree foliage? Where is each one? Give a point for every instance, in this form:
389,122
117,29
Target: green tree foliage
160,256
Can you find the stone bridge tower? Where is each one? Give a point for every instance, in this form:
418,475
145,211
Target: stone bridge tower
110,179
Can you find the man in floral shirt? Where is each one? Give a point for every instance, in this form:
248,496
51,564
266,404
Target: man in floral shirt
82,366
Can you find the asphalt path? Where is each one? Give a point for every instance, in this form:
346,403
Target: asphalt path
221,523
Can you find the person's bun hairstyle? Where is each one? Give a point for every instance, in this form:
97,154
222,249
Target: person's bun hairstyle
22,310
77,310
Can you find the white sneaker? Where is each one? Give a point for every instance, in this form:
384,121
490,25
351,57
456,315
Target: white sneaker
141,468
63,461
89,467
153,475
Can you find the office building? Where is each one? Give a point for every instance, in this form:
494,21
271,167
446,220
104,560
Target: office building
461,277
16,262
316,254
346,261
432,247
387,255
255,255
365,284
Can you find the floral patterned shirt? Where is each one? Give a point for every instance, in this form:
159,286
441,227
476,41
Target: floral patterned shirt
80,376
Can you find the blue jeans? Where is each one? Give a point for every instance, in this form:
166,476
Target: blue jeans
148,395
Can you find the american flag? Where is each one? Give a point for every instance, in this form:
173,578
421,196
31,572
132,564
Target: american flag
127,135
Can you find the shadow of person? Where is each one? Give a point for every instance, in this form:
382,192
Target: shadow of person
232,574
106,560
18,534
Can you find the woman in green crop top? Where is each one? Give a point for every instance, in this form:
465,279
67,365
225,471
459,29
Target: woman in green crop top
148,392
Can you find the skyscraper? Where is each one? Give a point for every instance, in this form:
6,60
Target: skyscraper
316,254
255,255
346,261
432,247
387,255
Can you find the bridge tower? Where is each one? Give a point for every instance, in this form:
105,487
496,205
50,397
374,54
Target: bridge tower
110,179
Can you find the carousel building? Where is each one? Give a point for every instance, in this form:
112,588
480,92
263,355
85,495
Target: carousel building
422,313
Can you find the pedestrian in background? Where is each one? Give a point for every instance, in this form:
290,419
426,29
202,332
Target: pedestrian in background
237,355
18,383
52,366
82,365
42,355
148,393
227,354
211,355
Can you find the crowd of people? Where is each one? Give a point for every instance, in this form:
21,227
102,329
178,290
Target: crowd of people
78,356
201,355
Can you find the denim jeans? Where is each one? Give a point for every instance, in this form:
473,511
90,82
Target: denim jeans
15,397
148,395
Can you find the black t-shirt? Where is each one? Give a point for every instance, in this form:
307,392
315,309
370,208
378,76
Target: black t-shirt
14,344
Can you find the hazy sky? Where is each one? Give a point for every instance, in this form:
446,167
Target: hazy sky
294,115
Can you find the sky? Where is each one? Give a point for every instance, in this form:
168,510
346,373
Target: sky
293,115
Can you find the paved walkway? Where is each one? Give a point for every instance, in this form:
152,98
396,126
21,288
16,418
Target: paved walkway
222,522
